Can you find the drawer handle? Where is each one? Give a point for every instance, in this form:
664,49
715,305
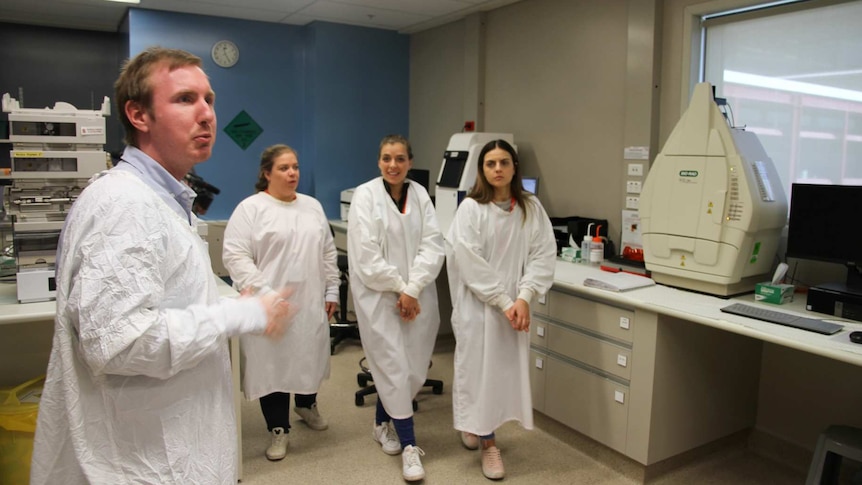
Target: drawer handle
622,360
625,323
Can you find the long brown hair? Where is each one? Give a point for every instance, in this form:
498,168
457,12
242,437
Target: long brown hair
483,191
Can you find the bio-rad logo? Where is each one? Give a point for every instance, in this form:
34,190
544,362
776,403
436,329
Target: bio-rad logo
688,176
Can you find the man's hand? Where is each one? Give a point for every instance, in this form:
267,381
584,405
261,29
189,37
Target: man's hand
278,312
408,307
331,307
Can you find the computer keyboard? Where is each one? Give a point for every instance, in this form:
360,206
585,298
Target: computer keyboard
781,318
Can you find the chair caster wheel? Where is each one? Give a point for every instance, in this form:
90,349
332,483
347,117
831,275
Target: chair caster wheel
437,389
360,401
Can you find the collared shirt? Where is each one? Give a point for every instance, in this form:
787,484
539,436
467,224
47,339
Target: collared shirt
177,195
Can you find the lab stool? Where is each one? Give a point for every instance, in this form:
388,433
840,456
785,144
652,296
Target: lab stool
835,443
343,327
364,377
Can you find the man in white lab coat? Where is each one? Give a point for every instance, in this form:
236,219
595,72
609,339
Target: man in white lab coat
138,387
395,251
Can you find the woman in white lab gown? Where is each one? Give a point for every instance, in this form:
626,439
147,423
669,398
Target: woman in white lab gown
395,251
500,254
279,238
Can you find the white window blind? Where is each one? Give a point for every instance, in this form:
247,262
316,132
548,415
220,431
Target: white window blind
795,79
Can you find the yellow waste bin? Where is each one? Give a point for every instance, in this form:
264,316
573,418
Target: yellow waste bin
19,407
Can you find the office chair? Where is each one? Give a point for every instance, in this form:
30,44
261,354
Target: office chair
364,377
342,328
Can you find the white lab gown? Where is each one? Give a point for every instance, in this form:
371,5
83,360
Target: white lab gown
493,258
390,253
138,387
270,244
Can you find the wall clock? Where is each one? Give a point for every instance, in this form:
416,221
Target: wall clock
225,53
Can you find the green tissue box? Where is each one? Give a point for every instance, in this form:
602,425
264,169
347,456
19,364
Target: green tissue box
769,293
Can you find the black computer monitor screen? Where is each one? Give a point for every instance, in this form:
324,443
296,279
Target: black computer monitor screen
419,175
453,167
825,225
530,184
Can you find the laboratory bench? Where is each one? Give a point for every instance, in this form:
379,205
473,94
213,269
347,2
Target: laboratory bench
655,372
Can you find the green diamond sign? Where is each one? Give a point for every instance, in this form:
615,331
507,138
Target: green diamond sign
243,130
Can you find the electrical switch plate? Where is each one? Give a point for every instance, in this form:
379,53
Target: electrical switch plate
632,202
636,169
540,331
624,322
540,363
620,397
622,360
633,187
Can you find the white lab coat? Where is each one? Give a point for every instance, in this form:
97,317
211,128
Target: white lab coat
389,253
138,387
494,258
270,244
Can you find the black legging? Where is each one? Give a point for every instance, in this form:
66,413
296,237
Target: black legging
276,408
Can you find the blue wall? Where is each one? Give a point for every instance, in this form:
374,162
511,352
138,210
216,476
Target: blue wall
358,92
328,90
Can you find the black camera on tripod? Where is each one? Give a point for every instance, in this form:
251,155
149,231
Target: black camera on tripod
205,193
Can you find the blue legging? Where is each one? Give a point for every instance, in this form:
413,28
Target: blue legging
403,427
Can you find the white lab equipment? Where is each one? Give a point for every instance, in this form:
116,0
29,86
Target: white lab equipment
346,197
712,208
458,172
54,153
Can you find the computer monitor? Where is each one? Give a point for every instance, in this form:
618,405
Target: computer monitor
531,184
419,175
825,226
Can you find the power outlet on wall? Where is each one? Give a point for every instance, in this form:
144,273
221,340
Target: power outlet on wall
636,169
632,202
633,187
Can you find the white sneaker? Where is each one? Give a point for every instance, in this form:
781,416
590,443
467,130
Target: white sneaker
411,465
385,435
278,449
312,417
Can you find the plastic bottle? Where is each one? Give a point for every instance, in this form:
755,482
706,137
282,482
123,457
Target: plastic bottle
597,248
585,245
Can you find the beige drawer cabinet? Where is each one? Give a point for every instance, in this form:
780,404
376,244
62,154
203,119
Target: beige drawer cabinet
625,377
538,360
588,402
581,357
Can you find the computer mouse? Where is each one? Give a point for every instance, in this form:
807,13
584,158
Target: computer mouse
856,337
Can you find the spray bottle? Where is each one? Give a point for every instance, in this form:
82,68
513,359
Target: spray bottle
585,245
597,248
